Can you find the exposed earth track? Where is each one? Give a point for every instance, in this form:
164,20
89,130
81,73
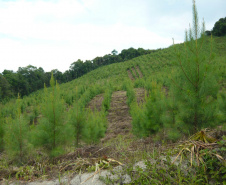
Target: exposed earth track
119,119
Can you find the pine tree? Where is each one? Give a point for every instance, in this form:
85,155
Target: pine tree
78,122
16,135
147,118
52,133
196,86
95,127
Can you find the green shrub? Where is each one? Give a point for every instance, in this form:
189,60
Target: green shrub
195,85
107,98
147,118
77,119
96,127
53,132
16,136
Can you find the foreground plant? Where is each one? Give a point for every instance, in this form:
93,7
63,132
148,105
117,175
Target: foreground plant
16,135
195,86
52,133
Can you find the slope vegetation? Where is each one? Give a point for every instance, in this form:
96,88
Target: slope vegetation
106,99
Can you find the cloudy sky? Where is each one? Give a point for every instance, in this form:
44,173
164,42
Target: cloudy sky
54,33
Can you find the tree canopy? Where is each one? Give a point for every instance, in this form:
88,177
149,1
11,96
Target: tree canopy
219,28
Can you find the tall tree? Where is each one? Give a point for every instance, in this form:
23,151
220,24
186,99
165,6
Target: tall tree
196,86
5,88
219,28
77,69
114,52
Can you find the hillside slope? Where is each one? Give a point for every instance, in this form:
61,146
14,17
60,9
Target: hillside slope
109,92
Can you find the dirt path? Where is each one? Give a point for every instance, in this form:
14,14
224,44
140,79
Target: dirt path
96,102
139,71
134,72
119,120
130,75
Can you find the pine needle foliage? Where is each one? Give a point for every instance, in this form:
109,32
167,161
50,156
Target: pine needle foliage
95,127
195,86
107,98
16,135
130,93
78,123
170,118
147,118
52,132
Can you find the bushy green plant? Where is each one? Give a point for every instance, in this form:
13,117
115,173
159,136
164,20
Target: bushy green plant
140,119
155,107
140,82
16,135
172,126
53,132
147,118
130,93
96,127
78,121
107,98
195,86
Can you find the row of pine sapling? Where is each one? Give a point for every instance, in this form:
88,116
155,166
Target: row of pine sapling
60,128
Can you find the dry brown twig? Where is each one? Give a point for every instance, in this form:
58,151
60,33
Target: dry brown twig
197,143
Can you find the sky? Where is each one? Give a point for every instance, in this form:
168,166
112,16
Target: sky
53,34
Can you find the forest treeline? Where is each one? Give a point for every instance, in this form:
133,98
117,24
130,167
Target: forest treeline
219,28
29,79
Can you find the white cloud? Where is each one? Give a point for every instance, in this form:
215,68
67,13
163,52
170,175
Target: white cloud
54,33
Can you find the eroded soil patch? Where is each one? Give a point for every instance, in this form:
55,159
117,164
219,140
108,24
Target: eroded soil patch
130,74
134,73
139,71
119,120
96,102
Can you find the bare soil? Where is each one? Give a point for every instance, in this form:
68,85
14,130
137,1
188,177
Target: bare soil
119,119
96,102
130,75
139,71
